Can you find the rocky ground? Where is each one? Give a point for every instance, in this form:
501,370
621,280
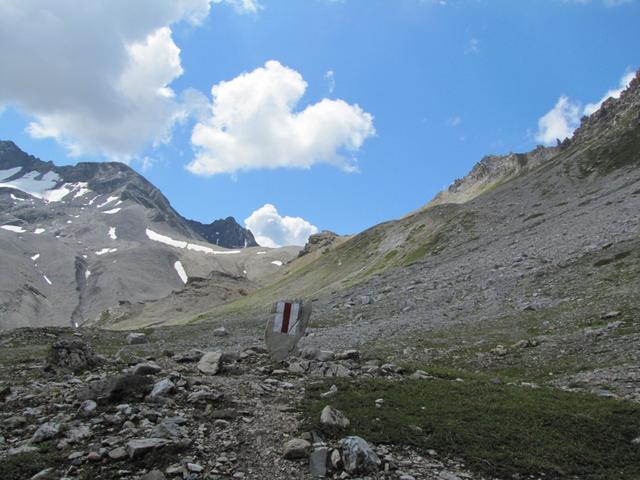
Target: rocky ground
141,409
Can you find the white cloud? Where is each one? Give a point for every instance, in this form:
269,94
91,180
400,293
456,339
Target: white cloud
615,93
330,77
95,76
272,230
561,121
243,6
253,125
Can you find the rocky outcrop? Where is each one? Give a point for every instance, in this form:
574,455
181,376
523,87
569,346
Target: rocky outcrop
225,233
318,241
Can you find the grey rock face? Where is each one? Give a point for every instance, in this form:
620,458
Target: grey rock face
225,233
358,457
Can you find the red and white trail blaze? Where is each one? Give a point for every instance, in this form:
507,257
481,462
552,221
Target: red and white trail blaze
287,317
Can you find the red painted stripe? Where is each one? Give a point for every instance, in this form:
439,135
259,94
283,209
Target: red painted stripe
285,318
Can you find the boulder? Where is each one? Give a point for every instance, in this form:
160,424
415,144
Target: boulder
220,332
296,448
333,418
87,408
153,475
358,457
190,356
71,355
210,363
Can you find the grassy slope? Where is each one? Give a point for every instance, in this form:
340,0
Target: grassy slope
497,429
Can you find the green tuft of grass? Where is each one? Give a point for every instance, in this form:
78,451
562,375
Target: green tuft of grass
25,465
499,430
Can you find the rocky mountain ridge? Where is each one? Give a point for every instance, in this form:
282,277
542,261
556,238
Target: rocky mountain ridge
81,242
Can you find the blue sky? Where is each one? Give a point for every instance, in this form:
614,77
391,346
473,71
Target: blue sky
441,83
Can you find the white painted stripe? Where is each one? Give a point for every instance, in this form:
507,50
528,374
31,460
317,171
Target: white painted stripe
293,321
277,321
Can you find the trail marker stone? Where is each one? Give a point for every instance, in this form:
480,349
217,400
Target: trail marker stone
287,323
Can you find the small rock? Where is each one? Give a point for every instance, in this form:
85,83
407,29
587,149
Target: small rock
333,418
94,457
87,408
194,467
140,447
500,350
162,387
190,356
147,368
5,391
296,448
330,393
46,474
608,315
336,459
348,355
137,338
153,475
203,396
118,454
449,476
210,363
220,332
420,375
46,431
318,461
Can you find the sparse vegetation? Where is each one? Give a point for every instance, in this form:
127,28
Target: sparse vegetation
501,430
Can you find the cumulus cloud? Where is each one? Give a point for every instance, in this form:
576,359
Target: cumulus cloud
95,76
253,125
473,47
272,230
561,121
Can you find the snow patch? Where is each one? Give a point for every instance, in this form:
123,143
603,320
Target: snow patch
112,233
93,200
87,274
13,228
181,273
107,201
260,253
35,257
112,211
82,190
4,174
156,237
13,197
38,231
106,250
46,279
277,262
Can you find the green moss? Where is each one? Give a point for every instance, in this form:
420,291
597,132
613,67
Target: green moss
498,430
25,465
